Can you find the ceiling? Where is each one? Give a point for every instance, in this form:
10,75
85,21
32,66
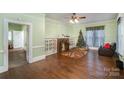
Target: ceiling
90,17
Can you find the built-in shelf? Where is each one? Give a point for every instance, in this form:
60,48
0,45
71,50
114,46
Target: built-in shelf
51,45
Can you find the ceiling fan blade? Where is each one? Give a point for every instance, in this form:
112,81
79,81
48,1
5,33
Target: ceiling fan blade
82,17
74,14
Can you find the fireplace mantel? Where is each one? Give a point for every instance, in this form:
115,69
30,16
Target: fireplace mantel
62,44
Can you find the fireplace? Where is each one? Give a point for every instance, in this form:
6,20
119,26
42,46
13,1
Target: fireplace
62,44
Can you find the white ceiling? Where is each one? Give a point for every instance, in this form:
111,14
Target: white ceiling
90,17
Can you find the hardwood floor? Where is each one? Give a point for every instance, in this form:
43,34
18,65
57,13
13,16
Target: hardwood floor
61,67
17,57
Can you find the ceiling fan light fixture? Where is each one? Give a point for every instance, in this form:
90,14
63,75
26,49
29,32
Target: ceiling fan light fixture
76,21
75,18
71,21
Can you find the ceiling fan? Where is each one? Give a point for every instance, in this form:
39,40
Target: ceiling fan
75,18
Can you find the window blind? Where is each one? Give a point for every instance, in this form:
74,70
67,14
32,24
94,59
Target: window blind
95,36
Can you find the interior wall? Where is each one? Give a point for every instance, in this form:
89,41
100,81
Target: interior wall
110,29
37,30
16,27
54,28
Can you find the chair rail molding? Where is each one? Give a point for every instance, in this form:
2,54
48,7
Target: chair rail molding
38,46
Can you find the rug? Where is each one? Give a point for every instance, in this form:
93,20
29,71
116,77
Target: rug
75,53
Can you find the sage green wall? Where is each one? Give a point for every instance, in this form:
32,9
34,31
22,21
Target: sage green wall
16,27
37,30
54,28
110,29
75,28
1,59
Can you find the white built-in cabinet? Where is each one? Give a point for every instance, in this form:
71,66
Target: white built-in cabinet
51,45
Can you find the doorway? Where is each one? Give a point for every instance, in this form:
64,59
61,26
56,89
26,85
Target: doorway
18,43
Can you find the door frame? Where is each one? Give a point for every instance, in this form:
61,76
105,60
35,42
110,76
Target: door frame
6,22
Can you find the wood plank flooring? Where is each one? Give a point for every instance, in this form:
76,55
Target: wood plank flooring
17,57
57,66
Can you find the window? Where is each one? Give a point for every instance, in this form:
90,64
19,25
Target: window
95,36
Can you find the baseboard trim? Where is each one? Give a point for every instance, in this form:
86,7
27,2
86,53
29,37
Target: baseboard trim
3,69
51,53
35,59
